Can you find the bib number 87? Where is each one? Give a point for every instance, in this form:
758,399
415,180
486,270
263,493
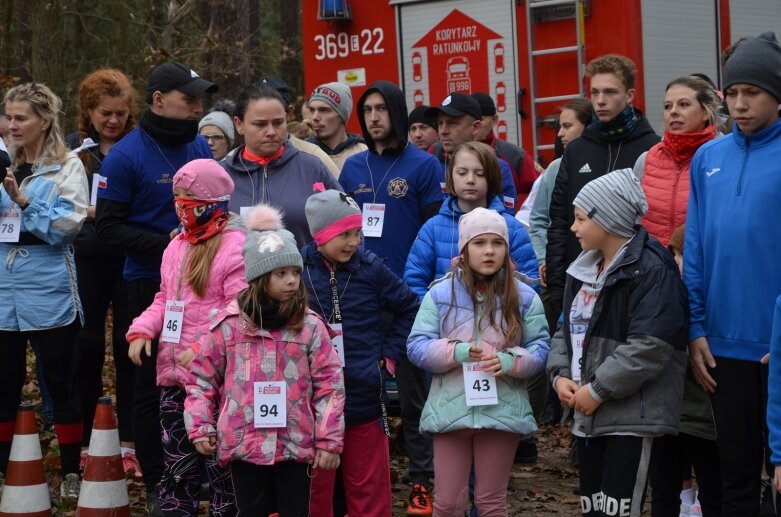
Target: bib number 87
372,221
265,410
481,385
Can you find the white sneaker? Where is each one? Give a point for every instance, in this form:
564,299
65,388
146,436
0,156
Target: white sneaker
69,488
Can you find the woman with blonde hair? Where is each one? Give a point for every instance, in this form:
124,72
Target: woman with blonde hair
43,204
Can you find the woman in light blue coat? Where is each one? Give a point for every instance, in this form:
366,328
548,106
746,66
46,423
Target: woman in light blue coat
43,204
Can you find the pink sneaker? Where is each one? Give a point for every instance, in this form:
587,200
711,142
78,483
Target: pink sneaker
131,465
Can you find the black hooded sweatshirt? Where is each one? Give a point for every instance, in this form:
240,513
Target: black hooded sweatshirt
589,157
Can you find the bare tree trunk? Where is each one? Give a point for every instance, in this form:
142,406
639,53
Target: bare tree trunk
228,40
290,34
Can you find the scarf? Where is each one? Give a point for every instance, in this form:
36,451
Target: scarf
169,131
682,146
269,317
620,127
262,160
201,218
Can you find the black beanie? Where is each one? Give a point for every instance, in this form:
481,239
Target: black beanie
419,115
756,61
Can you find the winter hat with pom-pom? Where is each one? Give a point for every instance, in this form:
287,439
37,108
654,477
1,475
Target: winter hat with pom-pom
268,246
331,213
221,116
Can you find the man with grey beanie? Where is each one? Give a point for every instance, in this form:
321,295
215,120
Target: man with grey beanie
620,357
733,241
331,105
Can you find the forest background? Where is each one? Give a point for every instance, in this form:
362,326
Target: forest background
230,42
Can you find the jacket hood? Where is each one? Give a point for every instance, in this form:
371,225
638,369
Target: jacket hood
397,110
352,139
642,128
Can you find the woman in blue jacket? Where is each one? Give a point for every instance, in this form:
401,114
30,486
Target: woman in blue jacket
43,205
473,180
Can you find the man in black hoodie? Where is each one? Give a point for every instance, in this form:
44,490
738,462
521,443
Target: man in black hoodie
397,186
618,135
135,214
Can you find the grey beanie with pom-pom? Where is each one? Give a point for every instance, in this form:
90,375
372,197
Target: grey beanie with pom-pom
221,116
268,246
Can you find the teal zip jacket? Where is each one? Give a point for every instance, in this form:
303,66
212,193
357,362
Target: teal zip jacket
733,242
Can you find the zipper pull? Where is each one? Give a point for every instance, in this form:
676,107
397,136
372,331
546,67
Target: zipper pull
265,172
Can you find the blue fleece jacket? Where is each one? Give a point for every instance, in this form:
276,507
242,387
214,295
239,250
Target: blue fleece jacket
774,388
437,243
733,242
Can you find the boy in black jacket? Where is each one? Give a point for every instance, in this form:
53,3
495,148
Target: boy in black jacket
619,360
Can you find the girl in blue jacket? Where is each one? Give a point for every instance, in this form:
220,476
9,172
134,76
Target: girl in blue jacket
482,333
351,288
473,180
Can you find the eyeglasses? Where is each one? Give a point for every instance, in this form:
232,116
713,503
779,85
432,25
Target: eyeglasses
215,138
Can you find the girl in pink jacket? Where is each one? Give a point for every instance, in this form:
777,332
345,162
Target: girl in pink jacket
270,368
201,273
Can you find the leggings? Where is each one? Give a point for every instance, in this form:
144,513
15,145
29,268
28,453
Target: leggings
180,486
100,285
57,356
491,452
262,489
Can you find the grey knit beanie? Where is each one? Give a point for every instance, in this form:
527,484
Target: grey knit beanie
223,121
331,213
268,246
756,61
336,95
615,202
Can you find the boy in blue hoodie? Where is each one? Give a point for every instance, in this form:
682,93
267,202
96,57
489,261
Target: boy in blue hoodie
733,241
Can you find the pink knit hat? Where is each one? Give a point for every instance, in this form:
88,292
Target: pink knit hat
205,178
480,221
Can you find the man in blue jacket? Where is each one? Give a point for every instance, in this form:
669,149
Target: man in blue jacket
135,213
733,245
460,120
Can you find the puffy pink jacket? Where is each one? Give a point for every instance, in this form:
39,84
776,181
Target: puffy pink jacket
666,186
226,279
238,354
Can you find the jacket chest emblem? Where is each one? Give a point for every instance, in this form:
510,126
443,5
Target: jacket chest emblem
398,187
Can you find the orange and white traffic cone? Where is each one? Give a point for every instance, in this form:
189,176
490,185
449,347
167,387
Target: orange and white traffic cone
25,492
103,487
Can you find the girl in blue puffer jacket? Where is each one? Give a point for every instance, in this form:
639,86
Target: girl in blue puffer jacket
473,180
482,333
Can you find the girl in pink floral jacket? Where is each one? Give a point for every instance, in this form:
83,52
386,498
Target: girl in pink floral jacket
270,367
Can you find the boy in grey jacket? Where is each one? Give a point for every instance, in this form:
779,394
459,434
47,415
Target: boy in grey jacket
619,360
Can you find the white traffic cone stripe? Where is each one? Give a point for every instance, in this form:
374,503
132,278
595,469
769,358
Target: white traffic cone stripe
25,499
25,447
103,494
104,442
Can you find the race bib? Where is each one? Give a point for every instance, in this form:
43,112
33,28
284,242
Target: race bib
479,386
577,356
373,219
338,342
270,404
172,321
10,224
98,181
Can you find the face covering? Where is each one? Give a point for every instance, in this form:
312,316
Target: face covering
202,218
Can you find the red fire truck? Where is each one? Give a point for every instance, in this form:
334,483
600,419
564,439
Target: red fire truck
529,55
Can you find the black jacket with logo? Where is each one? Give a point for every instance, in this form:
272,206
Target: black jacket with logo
589,157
